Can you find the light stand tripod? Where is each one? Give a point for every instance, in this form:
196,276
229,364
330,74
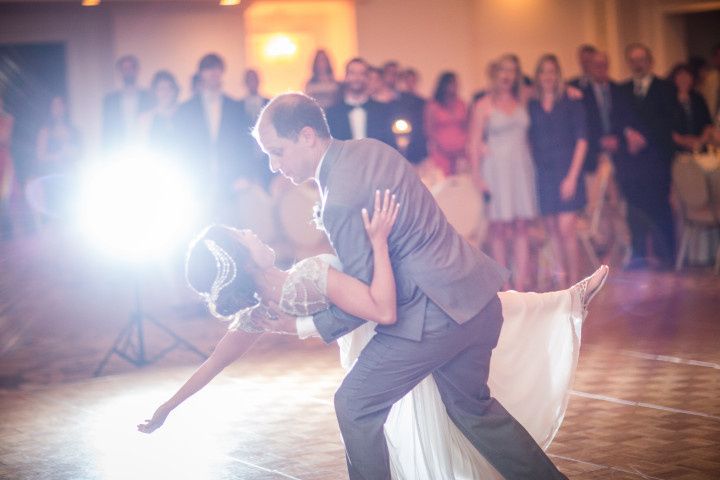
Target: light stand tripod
130,343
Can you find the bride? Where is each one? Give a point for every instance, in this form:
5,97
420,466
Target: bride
531,370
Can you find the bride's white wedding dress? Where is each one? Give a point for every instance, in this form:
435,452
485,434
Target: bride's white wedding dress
531,373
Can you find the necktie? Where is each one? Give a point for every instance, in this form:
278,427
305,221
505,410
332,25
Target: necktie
639,90
605,108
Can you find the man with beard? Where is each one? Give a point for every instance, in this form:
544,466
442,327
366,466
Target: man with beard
358,116
122,107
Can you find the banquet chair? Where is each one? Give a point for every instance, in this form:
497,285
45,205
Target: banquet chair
693,189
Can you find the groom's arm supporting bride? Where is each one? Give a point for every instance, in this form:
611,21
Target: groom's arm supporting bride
374,302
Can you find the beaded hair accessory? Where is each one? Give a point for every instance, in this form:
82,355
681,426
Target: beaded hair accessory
226,273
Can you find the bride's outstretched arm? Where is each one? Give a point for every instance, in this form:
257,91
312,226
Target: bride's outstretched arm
231,347
375,302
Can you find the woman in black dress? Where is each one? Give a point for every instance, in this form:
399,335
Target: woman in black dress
157,125
692,124
558,142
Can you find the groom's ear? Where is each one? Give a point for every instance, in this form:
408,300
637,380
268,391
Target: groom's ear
307,136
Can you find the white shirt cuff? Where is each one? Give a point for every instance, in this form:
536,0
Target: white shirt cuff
306,328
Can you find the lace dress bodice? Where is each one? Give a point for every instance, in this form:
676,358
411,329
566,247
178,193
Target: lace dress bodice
303,293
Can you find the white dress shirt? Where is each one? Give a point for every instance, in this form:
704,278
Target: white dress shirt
357,117
642,85
305,325
130,109
212,105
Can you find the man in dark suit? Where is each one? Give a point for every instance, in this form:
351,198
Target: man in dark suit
357,115
122,107
448,311
645,176
210,130
410,106
585,55
607,113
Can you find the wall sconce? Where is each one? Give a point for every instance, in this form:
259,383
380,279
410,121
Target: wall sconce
280,46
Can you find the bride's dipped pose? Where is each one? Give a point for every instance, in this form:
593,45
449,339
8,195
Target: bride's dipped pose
531,370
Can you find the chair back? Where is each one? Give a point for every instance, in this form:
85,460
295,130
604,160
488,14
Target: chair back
690,185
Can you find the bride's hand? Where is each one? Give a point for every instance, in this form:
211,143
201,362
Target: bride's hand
156,421
386,211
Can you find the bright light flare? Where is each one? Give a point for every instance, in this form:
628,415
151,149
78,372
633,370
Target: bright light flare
280,46
135,208
401,127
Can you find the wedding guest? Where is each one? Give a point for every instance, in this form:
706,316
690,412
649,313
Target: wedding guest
158,123
357,115
58,141
559,143
209,133
375,83
692,124
645,180
322,85
608,116
387,91
122,108
585,55
502,164
526,86
407,81
446,124
411,107
253,102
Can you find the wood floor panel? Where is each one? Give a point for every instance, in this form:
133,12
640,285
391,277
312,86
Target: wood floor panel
645,402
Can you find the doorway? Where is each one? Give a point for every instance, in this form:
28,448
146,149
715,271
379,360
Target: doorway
30,75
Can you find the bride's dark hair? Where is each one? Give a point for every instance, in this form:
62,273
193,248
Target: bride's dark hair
201,270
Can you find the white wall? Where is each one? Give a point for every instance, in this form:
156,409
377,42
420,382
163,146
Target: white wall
429,35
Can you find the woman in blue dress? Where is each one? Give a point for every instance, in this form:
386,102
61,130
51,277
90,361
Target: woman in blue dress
558,141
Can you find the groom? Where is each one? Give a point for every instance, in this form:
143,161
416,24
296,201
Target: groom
449,314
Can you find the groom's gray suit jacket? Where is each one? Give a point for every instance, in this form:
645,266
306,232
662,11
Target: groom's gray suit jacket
430,259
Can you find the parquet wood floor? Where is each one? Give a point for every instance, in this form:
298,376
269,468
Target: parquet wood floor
645,404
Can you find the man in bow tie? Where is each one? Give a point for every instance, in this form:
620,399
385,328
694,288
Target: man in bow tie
357,115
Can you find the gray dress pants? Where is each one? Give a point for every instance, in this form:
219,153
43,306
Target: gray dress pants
458,356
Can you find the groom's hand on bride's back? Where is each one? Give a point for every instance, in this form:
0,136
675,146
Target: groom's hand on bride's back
278,321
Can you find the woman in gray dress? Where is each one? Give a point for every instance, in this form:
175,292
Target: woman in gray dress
503,167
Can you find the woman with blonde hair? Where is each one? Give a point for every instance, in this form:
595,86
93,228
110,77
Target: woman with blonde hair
559,143
502,164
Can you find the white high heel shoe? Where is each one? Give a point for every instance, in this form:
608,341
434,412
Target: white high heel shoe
587,292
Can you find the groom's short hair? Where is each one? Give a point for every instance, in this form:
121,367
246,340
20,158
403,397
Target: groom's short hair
291,112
